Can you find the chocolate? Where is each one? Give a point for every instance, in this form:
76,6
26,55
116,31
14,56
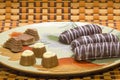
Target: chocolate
26,39
27,58
32,32
97,51
96,38
39,49
14,44
69,35
49,60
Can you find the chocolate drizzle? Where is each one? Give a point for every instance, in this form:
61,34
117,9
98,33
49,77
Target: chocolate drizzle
69,35
96,38
97,51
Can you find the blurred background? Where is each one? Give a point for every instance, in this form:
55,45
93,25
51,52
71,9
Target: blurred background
14,13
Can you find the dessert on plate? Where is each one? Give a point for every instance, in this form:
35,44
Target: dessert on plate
49,60
88,42
39,49
27,58
96,38
97,51
33,32
14,44
68,36
26,39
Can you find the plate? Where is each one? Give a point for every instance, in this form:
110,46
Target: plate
49,32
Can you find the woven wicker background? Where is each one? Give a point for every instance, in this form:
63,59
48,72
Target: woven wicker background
15,13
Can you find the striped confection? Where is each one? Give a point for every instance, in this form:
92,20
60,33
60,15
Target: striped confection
97,51
96,38
69,35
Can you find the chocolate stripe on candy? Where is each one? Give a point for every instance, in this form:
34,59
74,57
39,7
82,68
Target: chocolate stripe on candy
96,38
97,51
71,34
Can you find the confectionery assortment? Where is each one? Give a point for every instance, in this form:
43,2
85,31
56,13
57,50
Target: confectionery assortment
28,57
88,42
15,43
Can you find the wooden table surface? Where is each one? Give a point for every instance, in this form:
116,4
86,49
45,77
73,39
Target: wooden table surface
16,13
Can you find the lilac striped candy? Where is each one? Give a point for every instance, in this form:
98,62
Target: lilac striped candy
96,38
69,35
97,51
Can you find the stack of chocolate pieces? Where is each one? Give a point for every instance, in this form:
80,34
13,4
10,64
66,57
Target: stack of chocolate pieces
15,44
88,42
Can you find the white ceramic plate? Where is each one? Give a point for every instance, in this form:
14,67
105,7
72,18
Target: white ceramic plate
49,32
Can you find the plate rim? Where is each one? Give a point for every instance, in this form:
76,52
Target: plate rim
103,69
65,74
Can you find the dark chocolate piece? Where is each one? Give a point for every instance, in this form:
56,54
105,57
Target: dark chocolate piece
97,51
96,38
69,35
